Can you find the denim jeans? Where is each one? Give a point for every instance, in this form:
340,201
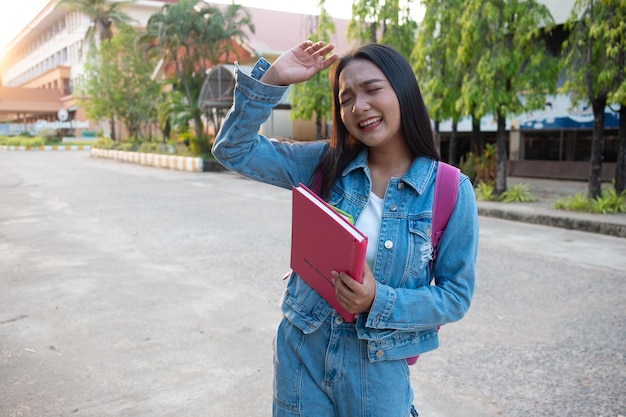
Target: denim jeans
327,373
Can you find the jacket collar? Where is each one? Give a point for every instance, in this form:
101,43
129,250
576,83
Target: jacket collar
418,176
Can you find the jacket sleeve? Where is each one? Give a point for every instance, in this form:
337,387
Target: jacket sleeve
241,148
454,270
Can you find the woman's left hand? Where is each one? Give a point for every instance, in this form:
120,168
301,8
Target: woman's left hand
300,63
354,296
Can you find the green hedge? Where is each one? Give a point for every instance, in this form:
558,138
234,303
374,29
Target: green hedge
22,141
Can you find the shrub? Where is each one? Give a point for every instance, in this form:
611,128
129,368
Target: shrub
485,191
467,166
609,202
576,202
127,146
104,143
149,147
49,134
519,193
25,141
480,168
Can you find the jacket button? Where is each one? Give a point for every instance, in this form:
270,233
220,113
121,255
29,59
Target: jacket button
388,244
393,208
379,353
401,186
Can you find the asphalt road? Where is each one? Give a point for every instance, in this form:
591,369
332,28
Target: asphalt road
135,291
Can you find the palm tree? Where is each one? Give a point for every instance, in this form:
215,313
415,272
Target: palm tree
234,19
189,37
103,14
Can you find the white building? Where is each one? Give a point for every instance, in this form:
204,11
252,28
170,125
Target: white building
48,55
42,63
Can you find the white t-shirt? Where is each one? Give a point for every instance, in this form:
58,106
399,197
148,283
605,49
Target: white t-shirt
369,223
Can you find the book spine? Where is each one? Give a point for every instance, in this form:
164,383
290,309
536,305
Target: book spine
358,253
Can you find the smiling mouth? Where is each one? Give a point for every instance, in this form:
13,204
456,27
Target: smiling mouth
370,122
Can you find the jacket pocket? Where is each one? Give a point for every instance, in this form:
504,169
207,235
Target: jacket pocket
420,252
303,306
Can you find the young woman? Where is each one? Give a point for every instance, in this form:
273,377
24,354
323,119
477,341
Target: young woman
379,166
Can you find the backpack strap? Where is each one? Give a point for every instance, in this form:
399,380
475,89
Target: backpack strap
317,181
446,192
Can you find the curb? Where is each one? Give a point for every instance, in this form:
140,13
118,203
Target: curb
569,221
179,163
46,148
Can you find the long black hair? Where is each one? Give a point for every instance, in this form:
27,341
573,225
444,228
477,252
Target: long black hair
414,120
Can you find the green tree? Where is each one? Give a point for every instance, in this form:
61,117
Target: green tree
173,114
385,21
613,30
514,71
189,37
314,96
594,64
117,83
434,61
104,14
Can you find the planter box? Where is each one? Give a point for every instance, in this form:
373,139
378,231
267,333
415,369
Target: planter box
46,148
179,163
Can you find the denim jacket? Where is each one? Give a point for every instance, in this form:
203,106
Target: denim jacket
407,309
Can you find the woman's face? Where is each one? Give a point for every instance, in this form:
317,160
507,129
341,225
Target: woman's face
368,104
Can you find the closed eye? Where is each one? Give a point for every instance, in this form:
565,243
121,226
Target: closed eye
345,100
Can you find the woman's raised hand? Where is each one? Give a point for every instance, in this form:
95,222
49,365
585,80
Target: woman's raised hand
300,63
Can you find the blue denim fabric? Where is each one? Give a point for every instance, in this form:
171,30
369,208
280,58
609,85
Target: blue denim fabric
327,373
407,310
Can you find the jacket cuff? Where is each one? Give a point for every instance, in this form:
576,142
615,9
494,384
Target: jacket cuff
259,68
251,87
381,307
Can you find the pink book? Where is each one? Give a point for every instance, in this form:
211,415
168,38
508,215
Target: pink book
322,241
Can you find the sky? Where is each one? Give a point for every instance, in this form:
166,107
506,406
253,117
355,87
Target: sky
15,15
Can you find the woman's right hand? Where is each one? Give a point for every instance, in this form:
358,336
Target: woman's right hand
300,63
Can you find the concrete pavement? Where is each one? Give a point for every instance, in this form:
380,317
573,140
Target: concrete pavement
114,301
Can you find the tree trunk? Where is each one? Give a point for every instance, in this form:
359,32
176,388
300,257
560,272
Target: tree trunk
112,121
452,151
501,142
437,138
318,127
477,139
203,144
620,167
597,147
